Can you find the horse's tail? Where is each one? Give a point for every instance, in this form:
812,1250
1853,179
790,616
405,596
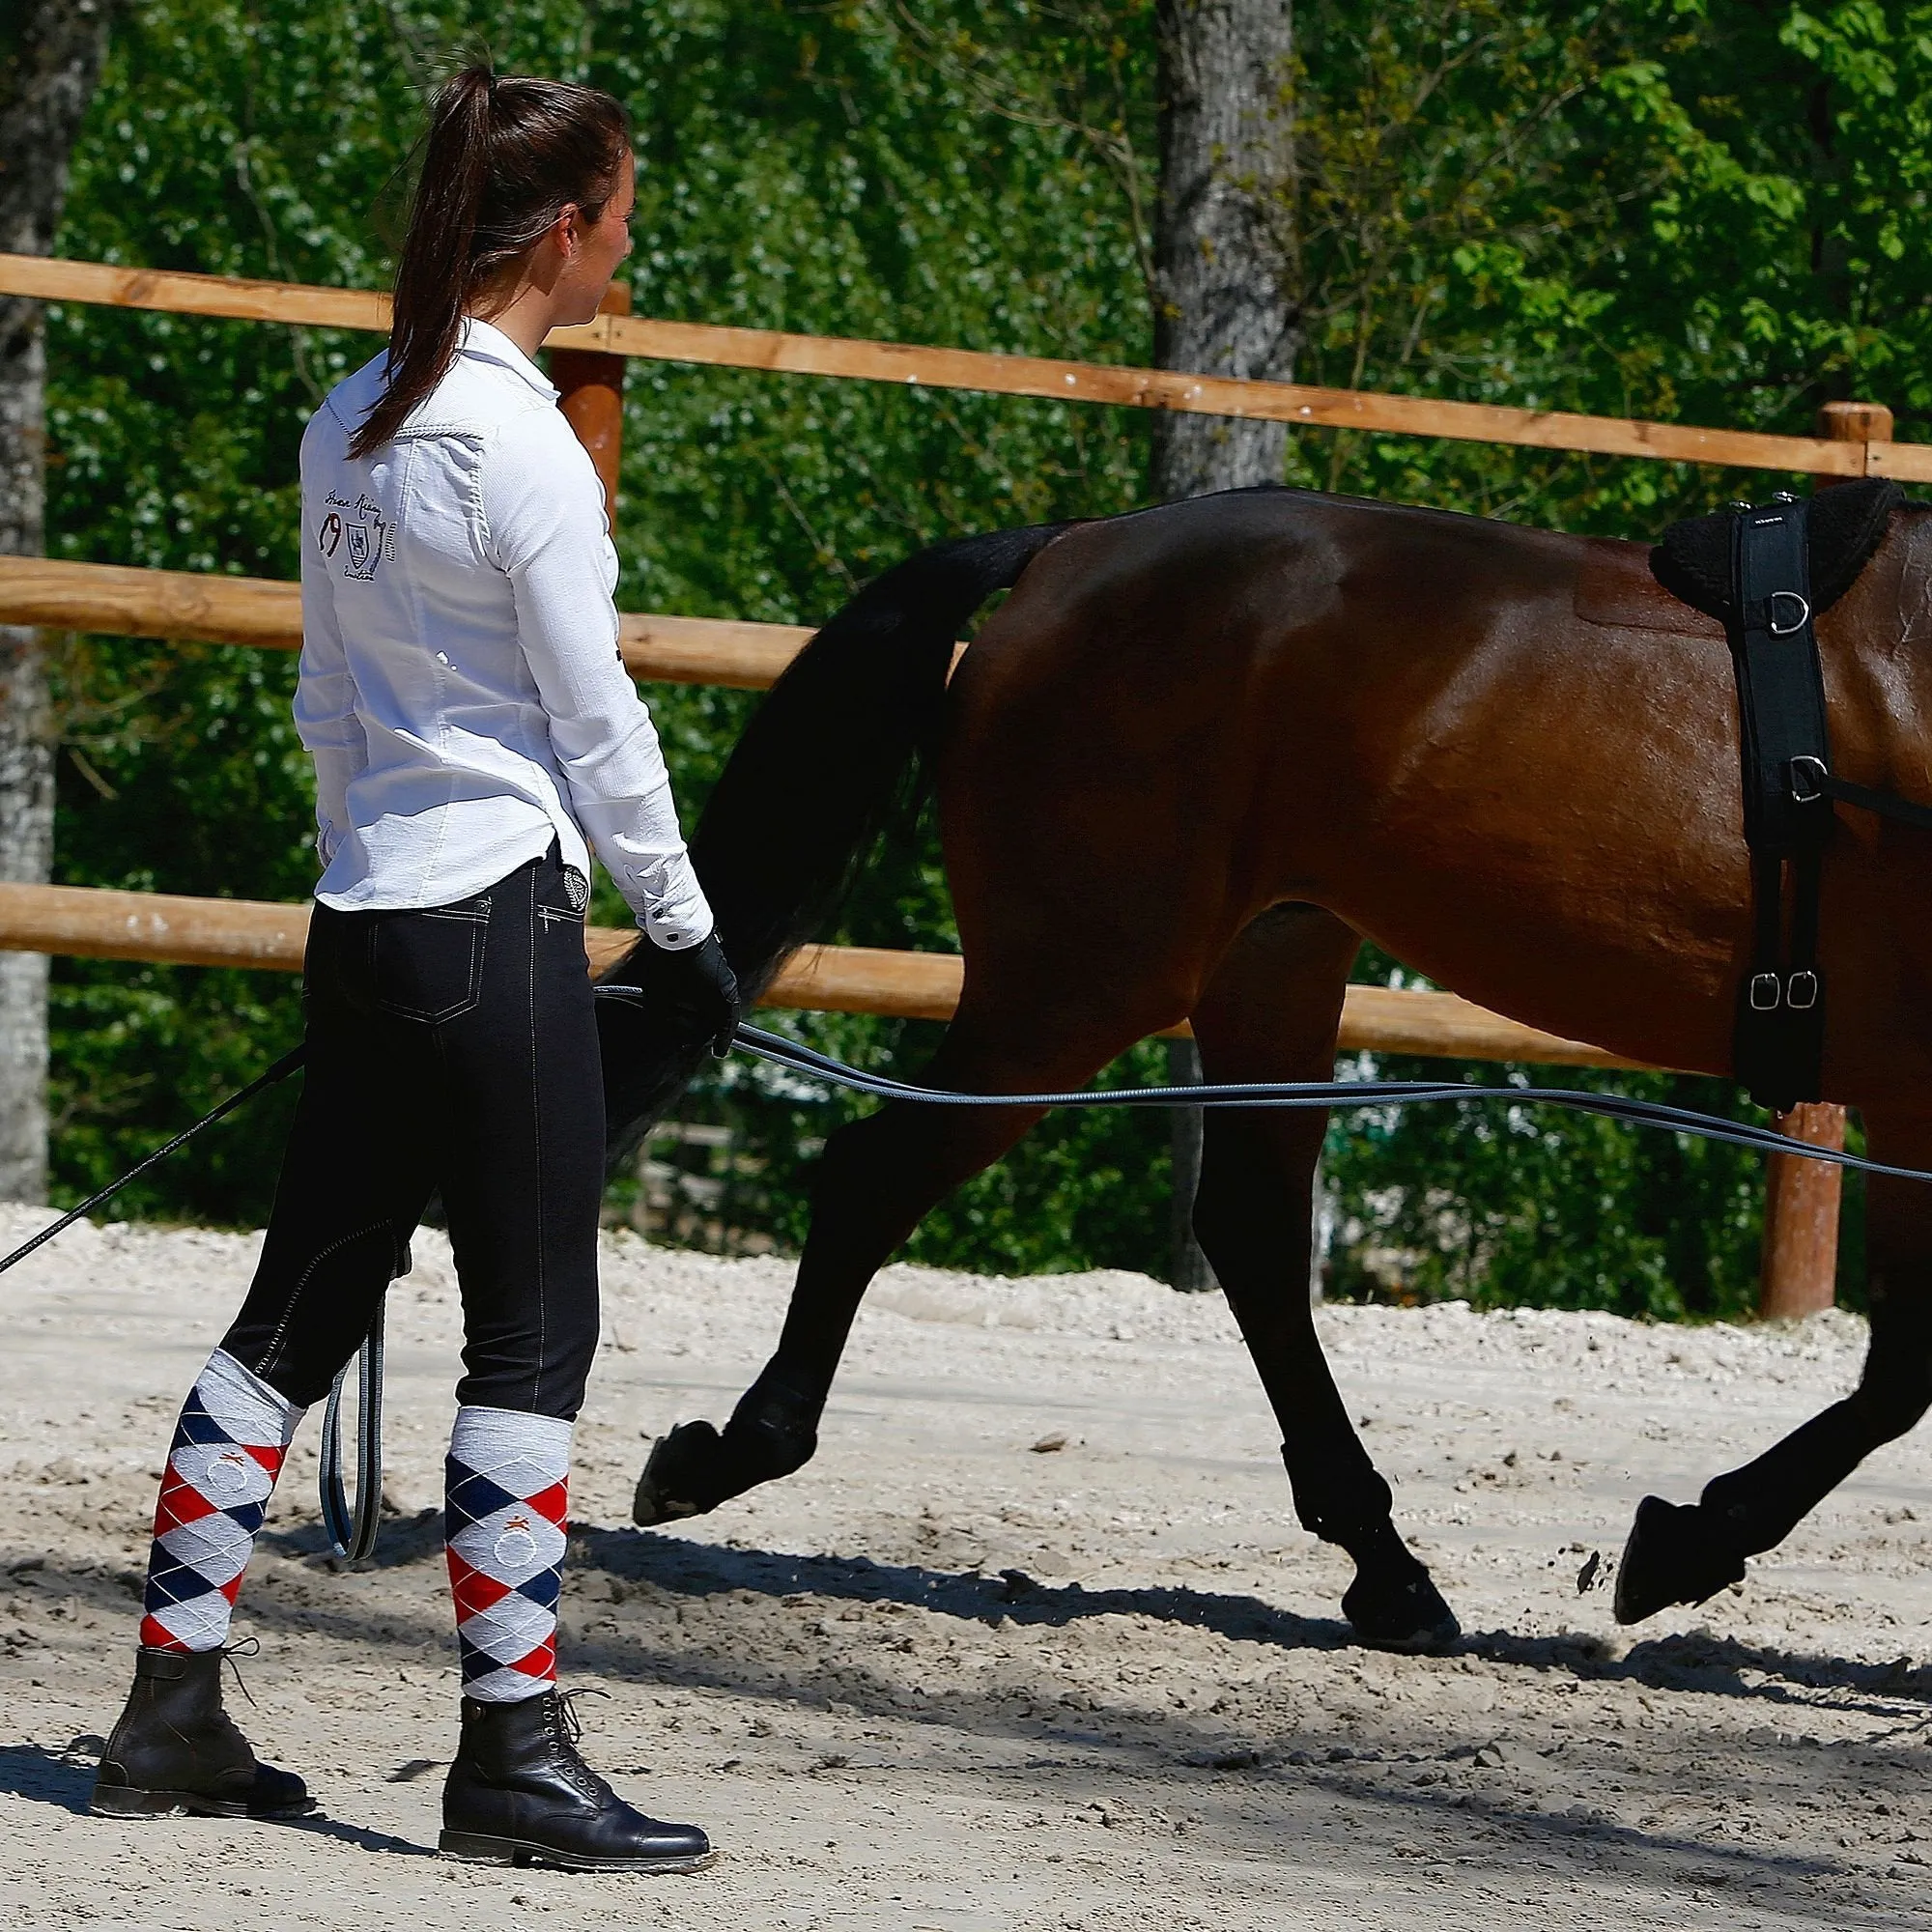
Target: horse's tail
811,785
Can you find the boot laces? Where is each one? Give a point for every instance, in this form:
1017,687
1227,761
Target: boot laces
570,1727
249,1646
567,1713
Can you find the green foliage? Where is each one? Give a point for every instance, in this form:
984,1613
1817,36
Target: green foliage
1504,1205
1655,209
1658,210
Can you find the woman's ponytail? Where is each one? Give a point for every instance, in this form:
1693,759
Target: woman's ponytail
504,157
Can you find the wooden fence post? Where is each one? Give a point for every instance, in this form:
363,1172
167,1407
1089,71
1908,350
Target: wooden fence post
1800,1270
1801,1216
590,393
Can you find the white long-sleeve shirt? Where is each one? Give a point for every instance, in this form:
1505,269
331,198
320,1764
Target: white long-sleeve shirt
461,688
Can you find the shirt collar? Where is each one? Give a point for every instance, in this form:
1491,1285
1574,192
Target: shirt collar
488,344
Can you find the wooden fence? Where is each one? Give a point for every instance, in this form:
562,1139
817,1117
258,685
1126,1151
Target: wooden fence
1855,439
194,605
919,367
89,923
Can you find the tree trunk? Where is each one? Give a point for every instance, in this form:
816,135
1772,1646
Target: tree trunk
50,57
1223,306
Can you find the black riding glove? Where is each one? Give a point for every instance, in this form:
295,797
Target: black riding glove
699,986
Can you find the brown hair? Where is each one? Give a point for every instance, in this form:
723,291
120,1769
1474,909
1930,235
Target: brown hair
503,159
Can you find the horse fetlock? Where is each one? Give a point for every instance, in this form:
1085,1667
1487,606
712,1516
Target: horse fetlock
1745,1516
1378,1549
773,1430
1677,1553
1349,1507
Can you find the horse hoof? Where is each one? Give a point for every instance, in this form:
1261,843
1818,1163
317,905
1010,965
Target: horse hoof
771,1433
1671,1557
682,1476
1403,1613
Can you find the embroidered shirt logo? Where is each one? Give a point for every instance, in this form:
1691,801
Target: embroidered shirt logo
359,533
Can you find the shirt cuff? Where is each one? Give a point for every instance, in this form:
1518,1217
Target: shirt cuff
671,909
670,934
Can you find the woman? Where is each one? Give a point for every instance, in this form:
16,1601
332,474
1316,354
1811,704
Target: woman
472,725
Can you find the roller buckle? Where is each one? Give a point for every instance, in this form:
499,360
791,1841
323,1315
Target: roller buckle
1807,772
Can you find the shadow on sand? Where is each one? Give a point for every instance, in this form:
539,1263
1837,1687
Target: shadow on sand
1373,1765
1693,1660
65,1780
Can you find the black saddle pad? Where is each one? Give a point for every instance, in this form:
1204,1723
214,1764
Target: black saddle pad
1846,524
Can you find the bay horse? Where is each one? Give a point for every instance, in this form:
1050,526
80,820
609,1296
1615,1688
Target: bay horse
1201,753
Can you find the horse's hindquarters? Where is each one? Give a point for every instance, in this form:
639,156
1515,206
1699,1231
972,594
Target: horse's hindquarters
1181,717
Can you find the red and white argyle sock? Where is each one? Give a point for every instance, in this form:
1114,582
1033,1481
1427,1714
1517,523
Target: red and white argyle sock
228,1449
506,1498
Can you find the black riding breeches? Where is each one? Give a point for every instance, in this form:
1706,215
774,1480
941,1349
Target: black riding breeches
451,1049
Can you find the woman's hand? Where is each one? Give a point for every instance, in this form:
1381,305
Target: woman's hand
700,988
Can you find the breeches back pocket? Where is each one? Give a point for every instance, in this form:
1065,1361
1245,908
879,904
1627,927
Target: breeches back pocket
428,965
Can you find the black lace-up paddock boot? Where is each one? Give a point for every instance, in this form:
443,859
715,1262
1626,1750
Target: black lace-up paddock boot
518,1793
176,1749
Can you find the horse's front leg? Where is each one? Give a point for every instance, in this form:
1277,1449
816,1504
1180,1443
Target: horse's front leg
1270,1013
1683,1555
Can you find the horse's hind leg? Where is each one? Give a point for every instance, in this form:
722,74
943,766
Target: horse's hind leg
876,1180
1270,1013
1683,1555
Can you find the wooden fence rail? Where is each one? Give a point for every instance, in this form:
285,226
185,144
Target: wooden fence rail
90,923
911,364
200,607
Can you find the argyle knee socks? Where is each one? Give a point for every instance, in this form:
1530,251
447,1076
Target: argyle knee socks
228,1449
506,1499
507,1489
